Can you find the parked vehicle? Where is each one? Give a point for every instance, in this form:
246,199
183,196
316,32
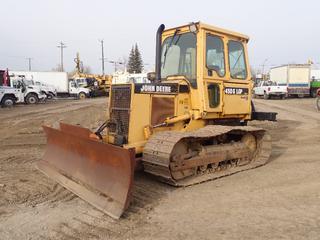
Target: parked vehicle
4,76
49,90
269,89
58,80
314,87
27,94
318,99
75,90
25,90
315,82
99,85
8,96
296,77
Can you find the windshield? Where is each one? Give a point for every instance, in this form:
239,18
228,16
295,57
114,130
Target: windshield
28,82
270,83
178,57
238,68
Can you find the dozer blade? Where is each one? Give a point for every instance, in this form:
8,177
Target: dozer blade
101,174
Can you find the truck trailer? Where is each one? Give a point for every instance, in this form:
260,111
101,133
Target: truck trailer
295,76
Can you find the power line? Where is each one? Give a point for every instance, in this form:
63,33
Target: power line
61,46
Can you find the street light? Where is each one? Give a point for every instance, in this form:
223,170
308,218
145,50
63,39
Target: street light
115,64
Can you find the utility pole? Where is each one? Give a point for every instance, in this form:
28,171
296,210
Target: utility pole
102,56
61,46
263,64
29,63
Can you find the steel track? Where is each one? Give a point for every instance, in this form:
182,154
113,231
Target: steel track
157,152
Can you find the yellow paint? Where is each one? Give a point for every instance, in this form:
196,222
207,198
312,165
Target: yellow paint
192,110
104,81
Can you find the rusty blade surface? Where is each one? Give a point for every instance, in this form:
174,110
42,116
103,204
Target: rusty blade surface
75,130
101,174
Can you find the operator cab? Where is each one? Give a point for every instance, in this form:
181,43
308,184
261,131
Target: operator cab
213,63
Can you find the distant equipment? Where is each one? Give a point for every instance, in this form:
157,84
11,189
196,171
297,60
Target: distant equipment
315,82
295,76
25,92
125,77
99,85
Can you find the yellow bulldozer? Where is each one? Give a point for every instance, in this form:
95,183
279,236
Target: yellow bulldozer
187,126
99,85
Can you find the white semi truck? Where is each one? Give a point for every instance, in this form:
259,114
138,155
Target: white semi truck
59,80
296,77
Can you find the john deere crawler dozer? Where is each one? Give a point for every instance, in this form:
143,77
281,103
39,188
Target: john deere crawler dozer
188,126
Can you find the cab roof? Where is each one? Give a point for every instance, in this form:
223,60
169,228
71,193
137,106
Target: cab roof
215,29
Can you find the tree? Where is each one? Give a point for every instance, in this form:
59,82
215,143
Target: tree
135,64
138,60
131,64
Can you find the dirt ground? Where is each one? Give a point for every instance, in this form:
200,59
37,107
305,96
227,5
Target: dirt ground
278,201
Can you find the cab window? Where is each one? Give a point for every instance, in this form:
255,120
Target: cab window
178,57
214,95
237,63
215,54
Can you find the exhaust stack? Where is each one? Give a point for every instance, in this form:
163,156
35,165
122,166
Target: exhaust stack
158,52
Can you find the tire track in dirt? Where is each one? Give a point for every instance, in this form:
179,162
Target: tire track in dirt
24,184
48,114
296,112
147,194
23,143
157,210
53,107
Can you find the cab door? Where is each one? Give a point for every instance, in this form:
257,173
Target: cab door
214,72
237,88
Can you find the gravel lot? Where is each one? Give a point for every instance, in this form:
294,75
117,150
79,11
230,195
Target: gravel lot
276,201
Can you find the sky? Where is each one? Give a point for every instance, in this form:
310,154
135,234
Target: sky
280,32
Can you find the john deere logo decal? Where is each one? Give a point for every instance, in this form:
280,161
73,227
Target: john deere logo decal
156,88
